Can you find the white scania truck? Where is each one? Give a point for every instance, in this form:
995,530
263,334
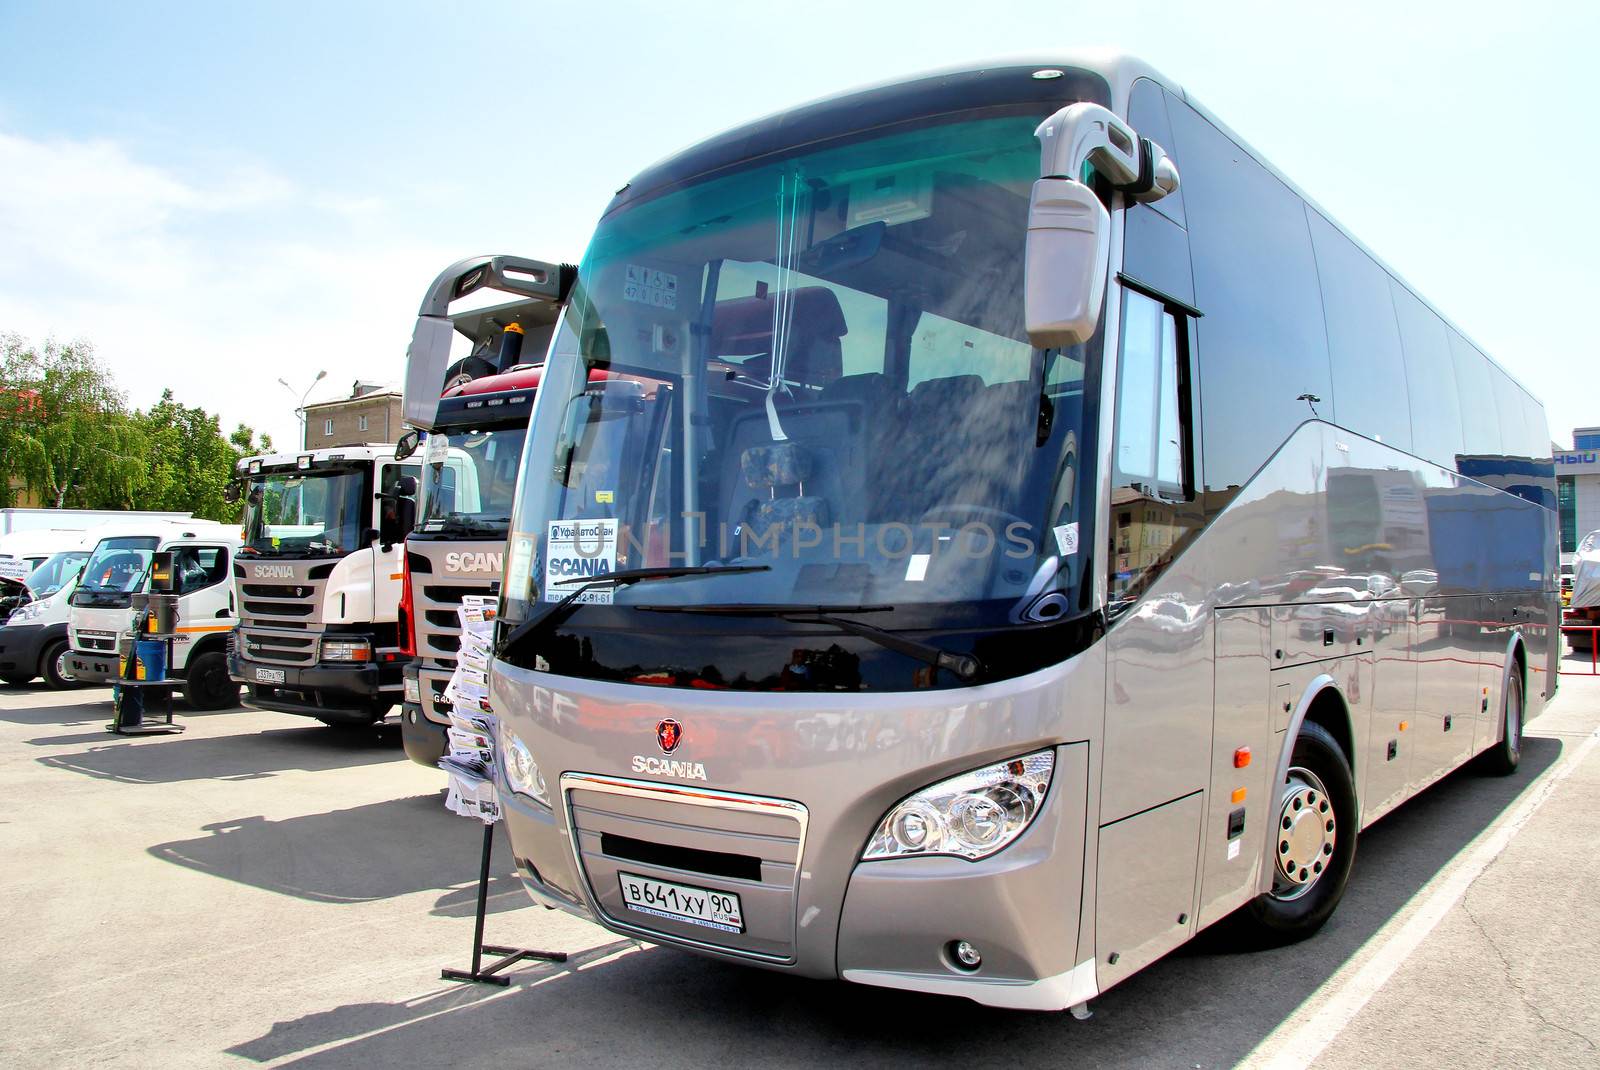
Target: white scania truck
119,567
318,581
470,456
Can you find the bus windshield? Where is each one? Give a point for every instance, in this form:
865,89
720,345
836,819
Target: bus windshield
322,512
816,364
469,478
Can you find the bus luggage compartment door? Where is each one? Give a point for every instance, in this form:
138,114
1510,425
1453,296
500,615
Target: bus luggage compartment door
1145,902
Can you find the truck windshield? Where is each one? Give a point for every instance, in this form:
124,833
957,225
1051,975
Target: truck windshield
469,478
816,364
114,570
57,571
318,512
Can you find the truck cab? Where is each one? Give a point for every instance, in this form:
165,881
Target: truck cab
318,582
471,377
119,567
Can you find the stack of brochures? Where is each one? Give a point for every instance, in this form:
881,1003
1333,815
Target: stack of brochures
470,759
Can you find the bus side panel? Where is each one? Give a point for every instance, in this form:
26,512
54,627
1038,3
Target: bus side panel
1147,866
1230,858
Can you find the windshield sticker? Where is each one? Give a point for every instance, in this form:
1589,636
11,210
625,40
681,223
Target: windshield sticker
579,550
521,562
605,497
917,567
647,286
1067,538
438,449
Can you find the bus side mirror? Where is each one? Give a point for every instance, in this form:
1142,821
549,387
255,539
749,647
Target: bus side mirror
1066,258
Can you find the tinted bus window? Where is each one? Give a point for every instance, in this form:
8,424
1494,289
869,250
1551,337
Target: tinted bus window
1480,418
1369,382
1262,342
1430,379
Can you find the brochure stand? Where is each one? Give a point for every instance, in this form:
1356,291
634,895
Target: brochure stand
470,763
490,974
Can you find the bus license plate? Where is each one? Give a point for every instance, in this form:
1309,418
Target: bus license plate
682,902
269,676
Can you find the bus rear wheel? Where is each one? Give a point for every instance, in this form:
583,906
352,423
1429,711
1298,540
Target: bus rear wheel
1313,843
1503,758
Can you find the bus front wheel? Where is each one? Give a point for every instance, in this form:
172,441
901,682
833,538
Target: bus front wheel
1313,843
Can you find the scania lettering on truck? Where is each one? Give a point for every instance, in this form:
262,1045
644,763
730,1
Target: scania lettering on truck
119,566
318,580
1018,559
470,457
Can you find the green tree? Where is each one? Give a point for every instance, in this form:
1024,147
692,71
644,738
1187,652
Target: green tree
65,433
190,460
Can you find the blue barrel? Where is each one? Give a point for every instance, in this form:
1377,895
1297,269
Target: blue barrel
152,655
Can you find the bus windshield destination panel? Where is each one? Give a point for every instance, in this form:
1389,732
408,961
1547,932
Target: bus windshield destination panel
852,626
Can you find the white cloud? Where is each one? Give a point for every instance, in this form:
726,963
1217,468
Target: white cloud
214,285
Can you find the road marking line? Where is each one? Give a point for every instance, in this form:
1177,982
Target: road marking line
1298,1042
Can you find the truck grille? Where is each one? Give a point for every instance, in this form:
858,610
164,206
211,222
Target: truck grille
276,648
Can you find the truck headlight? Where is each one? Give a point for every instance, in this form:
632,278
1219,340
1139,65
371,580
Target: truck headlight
972,815
522,772
346,650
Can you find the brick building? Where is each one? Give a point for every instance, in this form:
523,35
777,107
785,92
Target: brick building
370,414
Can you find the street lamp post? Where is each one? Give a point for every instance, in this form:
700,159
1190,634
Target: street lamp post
300,407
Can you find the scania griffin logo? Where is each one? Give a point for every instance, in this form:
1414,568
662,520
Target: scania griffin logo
473,562
669,734
274,572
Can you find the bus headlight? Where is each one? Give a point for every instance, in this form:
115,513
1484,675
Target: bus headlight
972,815
522,772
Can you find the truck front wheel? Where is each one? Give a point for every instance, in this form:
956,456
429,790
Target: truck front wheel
207,686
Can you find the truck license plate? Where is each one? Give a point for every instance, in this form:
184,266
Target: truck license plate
682,902
269,676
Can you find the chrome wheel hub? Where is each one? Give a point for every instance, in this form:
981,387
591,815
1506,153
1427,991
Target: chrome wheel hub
1306,833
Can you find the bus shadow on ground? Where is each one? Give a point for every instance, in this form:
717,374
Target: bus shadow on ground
174,759
1207,1004
377,851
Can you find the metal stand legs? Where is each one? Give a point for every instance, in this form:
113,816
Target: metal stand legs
490,974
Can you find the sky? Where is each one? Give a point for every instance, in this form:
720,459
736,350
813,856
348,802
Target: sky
222,196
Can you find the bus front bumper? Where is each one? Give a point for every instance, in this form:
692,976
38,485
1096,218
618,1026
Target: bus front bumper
892,923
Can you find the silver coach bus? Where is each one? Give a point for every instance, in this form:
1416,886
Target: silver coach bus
954,553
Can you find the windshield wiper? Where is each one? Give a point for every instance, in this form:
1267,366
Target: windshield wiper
563,609
965,666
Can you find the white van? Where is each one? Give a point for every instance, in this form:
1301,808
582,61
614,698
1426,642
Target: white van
119,567
33,641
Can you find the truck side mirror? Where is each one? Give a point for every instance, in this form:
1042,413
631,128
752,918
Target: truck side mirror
407,444
397,514
232,492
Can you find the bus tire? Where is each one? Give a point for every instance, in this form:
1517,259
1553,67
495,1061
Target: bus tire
53,666
1503,758
1313,843
206,686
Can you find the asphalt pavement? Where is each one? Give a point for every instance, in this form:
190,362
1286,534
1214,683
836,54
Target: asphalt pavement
265,890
